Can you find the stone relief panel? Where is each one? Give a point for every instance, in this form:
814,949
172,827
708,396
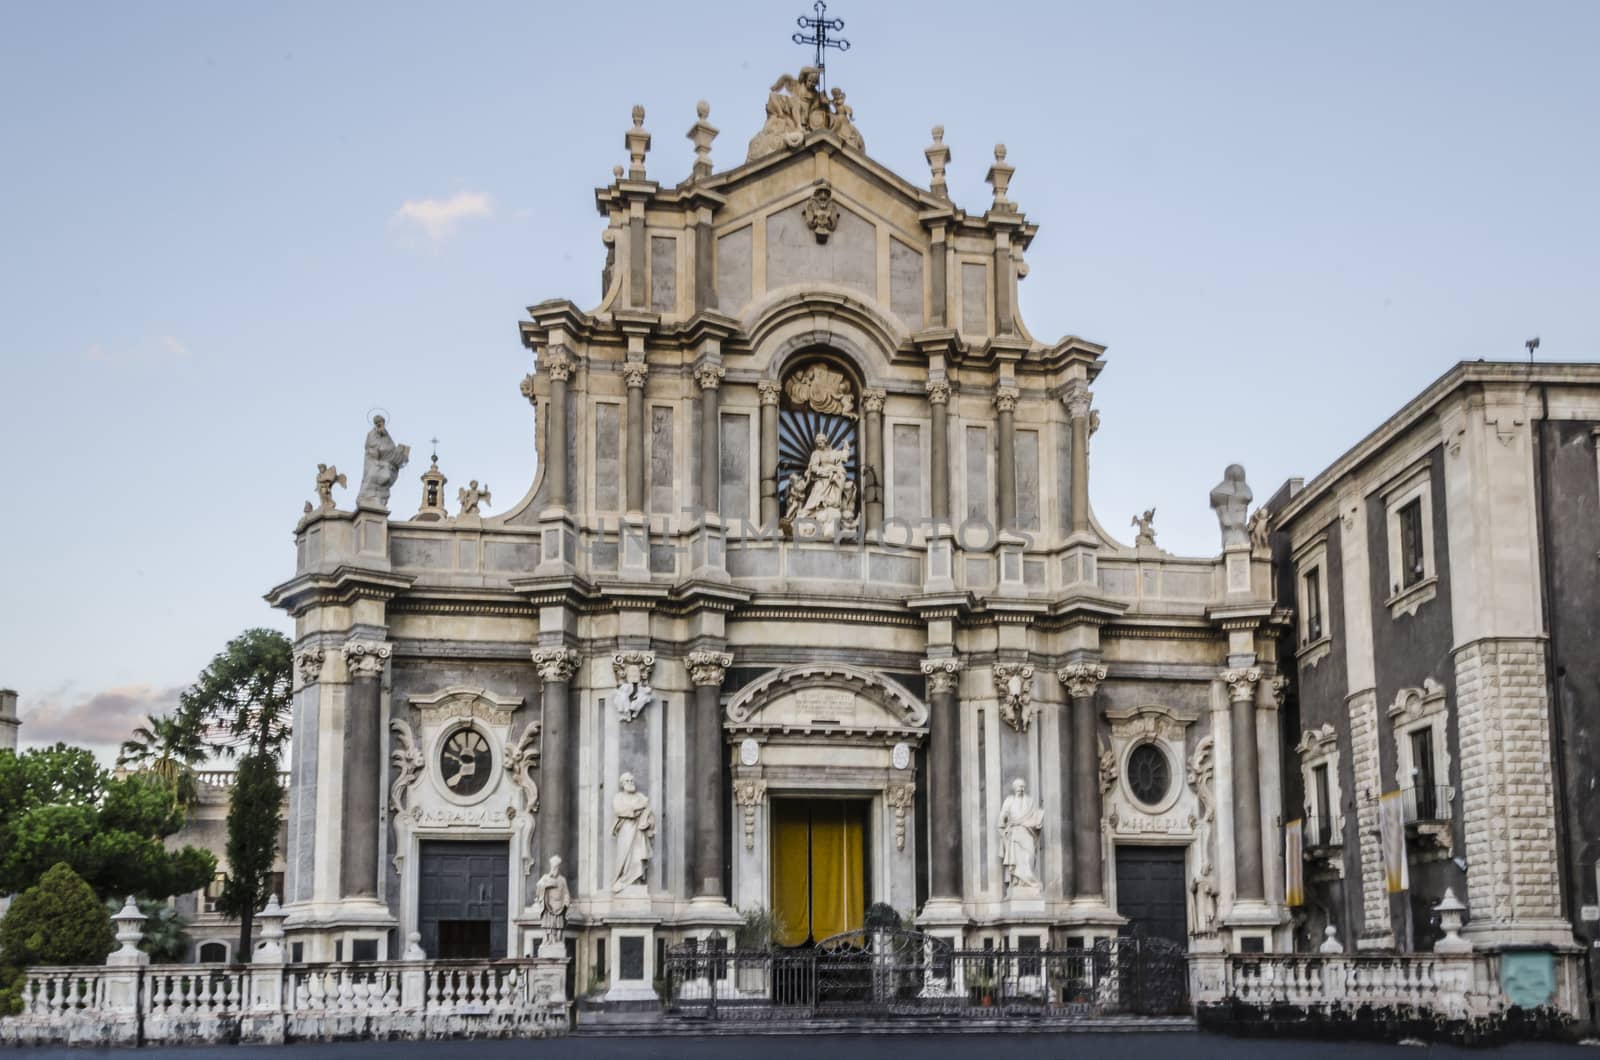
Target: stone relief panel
1148,791
794,256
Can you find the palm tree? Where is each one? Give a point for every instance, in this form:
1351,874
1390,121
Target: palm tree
168,748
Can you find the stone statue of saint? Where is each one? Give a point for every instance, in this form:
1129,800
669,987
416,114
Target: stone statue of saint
634,826
1231,501
827,494
795,106
1147,528
384,459
471,496
1020,822
328,477
552,903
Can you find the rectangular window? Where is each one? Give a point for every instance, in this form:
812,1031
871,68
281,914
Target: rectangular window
1423,780
213,893
1322,826
1312,604
1412,565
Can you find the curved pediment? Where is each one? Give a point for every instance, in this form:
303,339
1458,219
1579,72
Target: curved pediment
826,698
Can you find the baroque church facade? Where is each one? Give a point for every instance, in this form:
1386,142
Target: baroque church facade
806,611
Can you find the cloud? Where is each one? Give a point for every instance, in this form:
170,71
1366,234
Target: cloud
98,720
438,218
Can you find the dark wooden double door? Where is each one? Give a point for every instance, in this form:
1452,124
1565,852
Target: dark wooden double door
462,893
1151,894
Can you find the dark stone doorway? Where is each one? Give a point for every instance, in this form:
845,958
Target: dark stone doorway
1150,892
462,894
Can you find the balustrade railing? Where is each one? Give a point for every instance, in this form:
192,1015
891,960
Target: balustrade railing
1435,983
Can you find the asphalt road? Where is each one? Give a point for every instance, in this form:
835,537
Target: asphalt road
1171,1046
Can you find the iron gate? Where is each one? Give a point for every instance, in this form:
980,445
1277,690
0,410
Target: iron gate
885,974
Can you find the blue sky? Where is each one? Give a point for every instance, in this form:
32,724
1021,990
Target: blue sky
1283,219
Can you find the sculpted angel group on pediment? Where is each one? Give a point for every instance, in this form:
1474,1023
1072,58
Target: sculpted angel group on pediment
796,106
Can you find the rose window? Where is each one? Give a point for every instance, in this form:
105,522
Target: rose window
1149,774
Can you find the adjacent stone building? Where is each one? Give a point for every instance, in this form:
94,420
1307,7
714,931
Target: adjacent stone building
806,610
1443,574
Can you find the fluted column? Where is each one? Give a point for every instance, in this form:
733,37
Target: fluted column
1247,874
1082,681
559,367
872,470
1005,403
635,374
1077,399
361,807
706,670
557,754
709,376
939,449
944,776
769,390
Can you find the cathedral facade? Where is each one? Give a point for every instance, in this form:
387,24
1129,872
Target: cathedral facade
806,612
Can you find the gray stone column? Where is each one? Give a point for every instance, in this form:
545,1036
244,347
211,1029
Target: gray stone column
1082,681
769,390
557,756
709,376
635,375
1004,318
361,812
1005,402
706,670
1247,869
939,449
944,777
559,367
872,457
1077,399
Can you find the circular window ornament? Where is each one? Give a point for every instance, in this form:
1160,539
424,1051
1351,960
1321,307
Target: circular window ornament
1149,774
465,762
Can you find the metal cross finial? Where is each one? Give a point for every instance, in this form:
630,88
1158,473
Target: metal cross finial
819,25
435,443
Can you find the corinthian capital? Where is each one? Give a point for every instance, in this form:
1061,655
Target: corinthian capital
365,658
709,376
872,400
555,664
938,392
556,364
1078,399
633,373
769,389
942,674
708,667
1005,399
1081,680
1241,683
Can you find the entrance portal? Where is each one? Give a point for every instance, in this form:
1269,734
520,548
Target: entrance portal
819,868
461,899
1150,892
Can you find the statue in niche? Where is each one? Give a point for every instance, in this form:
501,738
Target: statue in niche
828,494
471,496
384,459
1020,822
634,826
552,903
1231,501
1147,528
328,477
821,388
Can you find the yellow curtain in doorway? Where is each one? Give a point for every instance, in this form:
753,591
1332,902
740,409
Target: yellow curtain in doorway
791,871
837,874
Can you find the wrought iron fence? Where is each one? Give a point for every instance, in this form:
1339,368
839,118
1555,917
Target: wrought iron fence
885,974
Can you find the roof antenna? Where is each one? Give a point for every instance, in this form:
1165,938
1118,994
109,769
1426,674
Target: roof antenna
1532,344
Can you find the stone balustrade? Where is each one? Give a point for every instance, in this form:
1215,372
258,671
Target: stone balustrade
1421,981
188,1004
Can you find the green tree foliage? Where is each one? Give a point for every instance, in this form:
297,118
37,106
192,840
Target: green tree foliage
56,921
166,932
244,695
169,748
58,806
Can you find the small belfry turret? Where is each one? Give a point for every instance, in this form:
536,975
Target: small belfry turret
433,481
